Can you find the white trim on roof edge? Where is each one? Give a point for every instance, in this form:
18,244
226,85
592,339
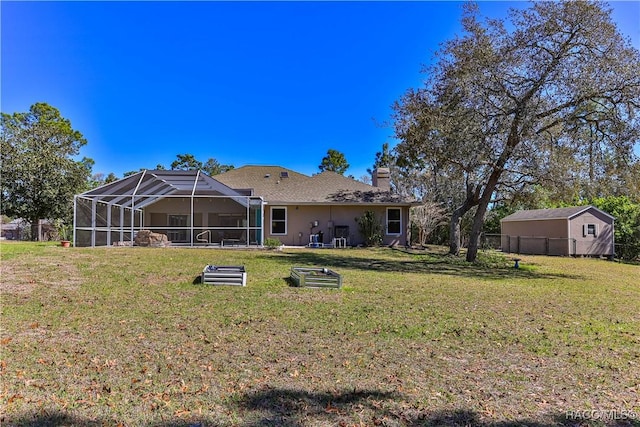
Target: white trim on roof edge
591,207
586,208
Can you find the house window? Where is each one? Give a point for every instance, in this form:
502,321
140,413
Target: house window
278,221
590,230
394,221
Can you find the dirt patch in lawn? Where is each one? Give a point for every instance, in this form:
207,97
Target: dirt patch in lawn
20,278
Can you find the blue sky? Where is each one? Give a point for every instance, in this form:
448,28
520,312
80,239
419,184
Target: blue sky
270,83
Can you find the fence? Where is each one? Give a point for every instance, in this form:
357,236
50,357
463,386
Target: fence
529,245
491,241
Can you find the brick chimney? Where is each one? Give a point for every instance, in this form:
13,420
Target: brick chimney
381,178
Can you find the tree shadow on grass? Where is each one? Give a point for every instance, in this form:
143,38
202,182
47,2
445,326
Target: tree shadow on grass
297,408
433,263
57,418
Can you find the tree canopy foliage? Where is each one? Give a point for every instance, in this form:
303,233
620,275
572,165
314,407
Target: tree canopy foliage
509,104
188,162
213,167
334,161
210,167
384,158
39,172
627,224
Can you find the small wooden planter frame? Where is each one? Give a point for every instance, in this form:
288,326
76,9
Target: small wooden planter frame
224,275
315,277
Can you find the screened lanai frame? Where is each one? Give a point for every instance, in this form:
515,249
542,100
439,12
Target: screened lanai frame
189,207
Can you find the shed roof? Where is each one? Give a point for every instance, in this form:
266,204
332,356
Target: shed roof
277,184
549,214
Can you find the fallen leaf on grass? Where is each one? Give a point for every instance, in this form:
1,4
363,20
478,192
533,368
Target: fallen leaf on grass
332,409
181,413
14,398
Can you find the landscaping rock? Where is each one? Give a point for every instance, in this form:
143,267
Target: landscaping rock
149,238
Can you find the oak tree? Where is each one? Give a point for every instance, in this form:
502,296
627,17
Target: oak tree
39,171
503,98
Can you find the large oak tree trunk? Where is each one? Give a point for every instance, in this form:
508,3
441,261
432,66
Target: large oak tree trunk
456,219
454,231
476,231
36,231
483,202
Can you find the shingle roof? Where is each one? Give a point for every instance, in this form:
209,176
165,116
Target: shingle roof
270,183
547,214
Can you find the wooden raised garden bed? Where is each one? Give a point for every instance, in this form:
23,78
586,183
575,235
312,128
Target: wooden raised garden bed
224,275
315,277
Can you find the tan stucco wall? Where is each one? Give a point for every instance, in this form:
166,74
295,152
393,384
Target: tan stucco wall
300,217
205,212
182,206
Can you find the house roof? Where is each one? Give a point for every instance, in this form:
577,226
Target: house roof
276,184
549,214
13,225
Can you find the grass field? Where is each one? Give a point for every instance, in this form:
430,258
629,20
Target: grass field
123,336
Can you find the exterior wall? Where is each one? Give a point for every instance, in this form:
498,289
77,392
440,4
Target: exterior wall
224,218
154,213
602,243
537,237
300,218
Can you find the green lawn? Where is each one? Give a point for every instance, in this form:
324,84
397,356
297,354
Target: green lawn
112,336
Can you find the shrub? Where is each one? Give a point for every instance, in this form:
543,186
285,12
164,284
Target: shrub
370,228
272,243
627,224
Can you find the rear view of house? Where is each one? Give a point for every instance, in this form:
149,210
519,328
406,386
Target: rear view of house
322,209
241,207
580,230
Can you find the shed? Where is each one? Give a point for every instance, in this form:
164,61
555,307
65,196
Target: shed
578,230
